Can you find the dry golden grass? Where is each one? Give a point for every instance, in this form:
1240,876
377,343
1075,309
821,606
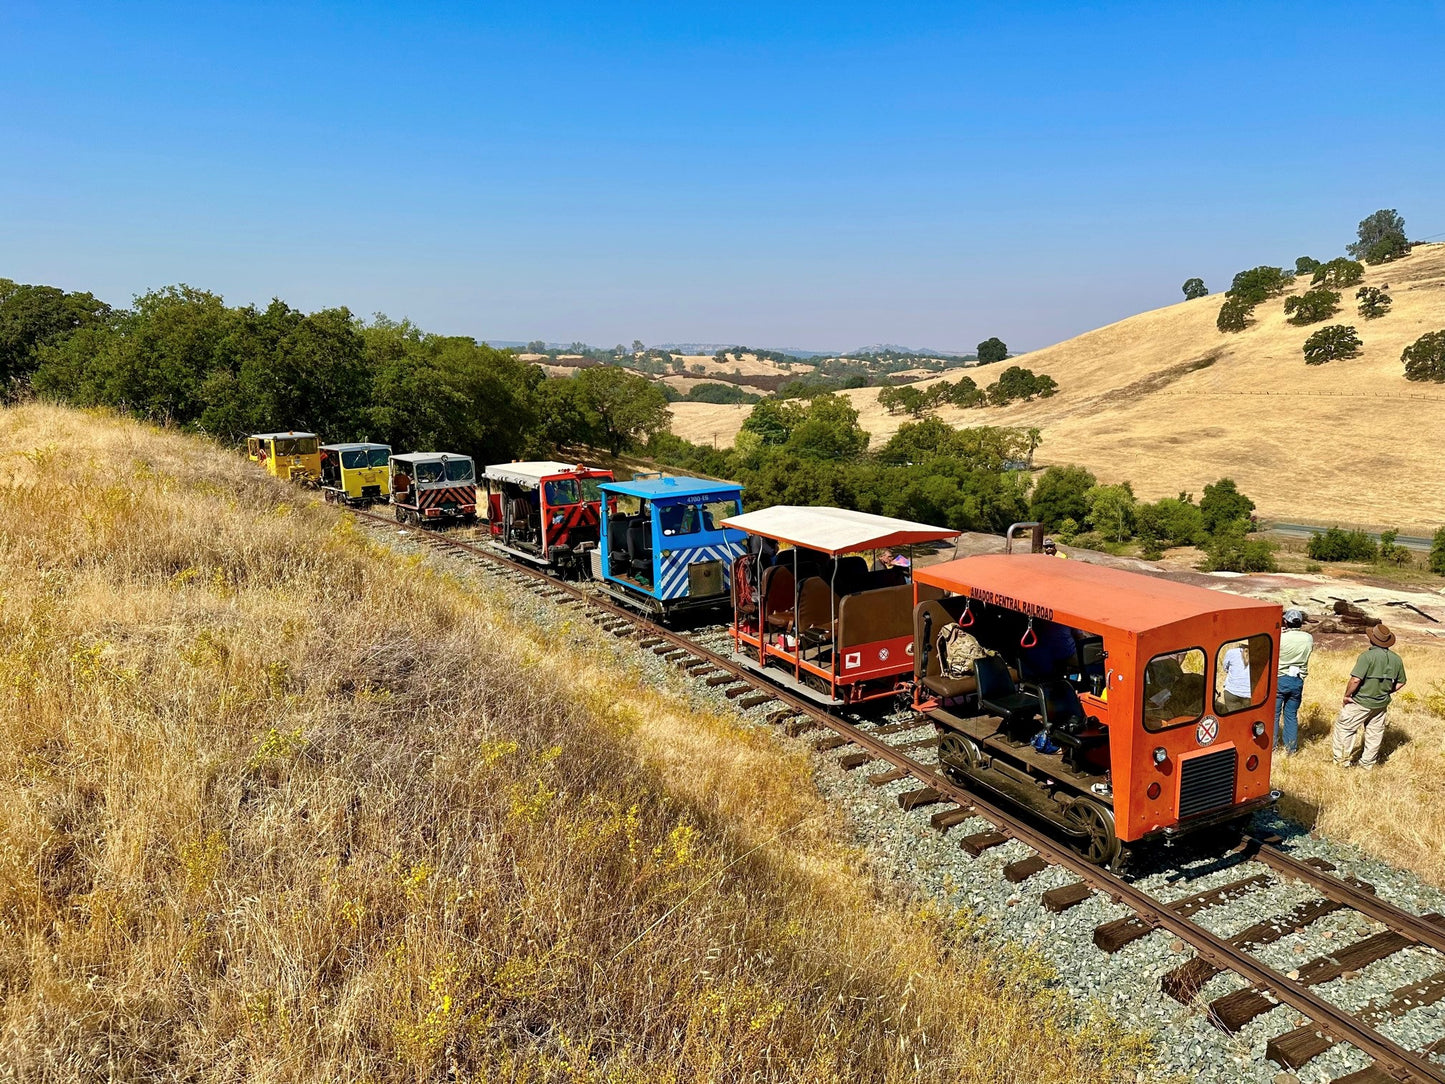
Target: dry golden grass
1296,437
277,803
1395,811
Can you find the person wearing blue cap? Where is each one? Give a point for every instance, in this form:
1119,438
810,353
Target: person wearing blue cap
1295,648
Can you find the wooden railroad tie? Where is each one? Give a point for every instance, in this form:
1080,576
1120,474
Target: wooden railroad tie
1024,868
782,715
664,648
1294,1048
697,666
831,742
880,778
900,728
1232,1011
979,842
721,679
914,799
754,700
1062,898
798,726
1184,982
1112,936
926,743
945,819
849,761
737,690
1370,1074
651,641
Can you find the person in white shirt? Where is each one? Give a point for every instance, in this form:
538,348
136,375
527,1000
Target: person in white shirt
1295,648
1237,688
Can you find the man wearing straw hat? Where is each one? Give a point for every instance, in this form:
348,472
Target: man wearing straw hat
1378,675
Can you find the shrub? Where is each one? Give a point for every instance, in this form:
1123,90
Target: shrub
1235,314
904,400
1171,521
1380,226
1391,553
1232,550
1068,530
1312,307
1331,343
720,393
1061,496
1224,505
1374,301
1112,510
1436,560
1194,288
1387,248
992,349
1425,357
1016,382
1260,283
1339,272
1305,265
1338,544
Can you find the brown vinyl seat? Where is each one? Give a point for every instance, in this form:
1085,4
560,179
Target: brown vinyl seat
777,593
817,610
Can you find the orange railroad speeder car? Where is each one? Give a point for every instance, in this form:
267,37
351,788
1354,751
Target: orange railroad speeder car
1119,706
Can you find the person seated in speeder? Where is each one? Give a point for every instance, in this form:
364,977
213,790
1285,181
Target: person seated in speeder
1051,655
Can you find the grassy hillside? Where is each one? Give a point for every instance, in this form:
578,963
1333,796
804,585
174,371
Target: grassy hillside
279,804
1169,402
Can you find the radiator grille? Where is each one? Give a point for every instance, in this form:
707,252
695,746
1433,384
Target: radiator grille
1207,782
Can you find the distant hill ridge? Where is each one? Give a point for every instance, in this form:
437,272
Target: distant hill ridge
1168,402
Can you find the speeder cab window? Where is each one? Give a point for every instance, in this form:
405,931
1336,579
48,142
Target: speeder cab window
459,470
714,512
353,458
562,491
677,519
1241,674
377,457
1174,689
429,472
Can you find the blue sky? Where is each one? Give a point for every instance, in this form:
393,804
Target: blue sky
812,175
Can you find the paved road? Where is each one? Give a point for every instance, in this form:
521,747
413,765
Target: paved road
1300,530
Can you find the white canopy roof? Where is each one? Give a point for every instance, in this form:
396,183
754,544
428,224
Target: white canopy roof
528,474
835,530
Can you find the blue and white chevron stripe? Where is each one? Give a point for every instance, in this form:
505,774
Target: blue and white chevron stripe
673,581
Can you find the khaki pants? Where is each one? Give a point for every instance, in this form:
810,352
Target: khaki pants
1352,717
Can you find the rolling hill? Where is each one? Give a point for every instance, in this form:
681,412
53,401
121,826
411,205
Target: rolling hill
1167,401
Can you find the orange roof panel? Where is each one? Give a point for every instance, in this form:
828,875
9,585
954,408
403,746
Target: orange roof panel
1083,595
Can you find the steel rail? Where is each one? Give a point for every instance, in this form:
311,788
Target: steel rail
1405,1065
1416,927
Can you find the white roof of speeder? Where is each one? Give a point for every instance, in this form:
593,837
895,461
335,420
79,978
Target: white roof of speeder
835,530
530,473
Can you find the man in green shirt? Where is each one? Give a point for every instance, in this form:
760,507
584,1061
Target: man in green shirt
1378,675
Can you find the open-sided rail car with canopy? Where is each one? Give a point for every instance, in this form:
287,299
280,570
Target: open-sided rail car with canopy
664,547
433,487
546,513
355,473
293,456
1144,709
817,617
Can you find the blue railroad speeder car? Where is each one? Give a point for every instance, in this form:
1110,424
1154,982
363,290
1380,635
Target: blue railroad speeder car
663,547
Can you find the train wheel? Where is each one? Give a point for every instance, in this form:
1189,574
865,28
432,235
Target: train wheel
1100,845
958,755
400,513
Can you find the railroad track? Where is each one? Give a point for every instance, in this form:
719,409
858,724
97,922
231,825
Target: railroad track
1267,987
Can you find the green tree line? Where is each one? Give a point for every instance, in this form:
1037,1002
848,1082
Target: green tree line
183,357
